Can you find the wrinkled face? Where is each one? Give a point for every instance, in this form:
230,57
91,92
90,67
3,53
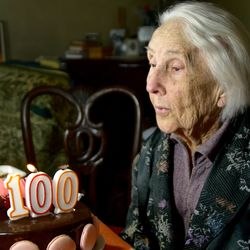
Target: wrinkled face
181,88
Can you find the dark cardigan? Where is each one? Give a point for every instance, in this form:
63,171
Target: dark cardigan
221,219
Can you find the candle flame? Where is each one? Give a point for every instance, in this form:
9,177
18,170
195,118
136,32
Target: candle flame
32,168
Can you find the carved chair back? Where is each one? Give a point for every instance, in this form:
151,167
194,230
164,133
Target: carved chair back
100,143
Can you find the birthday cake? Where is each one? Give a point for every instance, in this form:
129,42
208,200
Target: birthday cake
41,228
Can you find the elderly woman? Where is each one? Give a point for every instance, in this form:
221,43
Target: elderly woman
191,181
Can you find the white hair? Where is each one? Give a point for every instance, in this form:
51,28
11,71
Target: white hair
223,42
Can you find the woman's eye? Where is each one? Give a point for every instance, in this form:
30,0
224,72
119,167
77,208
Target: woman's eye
176,69
152,65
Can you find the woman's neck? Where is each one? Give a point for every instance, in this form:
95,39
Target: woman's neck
198,135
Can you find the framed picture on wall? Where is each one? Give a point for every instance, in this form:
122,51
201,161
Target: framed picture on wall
2,43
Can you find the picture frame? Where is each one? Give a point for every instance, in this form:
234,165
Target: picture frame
2,43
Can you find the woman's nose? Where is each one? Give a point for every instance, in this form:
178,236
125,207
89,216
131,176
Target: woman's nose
154,83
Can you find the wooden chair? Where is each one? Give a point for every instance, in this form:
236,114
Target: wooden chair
100,142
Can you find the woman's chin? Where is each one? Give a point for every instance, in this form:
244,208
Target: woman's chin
167,127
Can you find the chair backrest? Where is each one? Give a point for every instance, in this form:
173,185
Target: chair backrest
100,143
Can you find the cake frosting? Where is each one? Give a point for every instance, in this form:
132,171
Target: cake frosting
42,230
49,229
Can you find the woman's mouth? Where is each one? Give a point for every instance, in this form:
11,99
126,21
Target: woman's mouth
159,110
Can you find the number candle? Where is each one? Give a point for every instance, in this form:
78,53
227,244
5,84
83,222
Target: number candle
38,193
17,209
65,190
41,192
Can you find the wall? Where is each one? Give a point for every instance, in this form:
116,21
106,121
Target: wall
240,8
46,27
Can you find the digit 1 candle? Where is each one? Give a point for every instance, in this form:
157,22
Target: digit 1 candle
17,209
65,190
38,193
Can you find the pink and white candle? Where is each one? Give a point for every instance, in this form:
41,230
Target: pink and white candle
38,193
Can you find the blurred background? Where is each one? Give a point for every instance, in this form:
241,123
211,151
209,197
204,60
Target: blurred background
48,28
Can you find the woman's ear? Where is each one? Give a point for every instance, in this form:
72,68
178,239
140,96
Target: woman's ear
222,100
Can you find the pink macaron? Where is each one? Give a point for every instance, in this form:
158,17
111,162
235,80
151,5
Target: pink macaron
24,244
61,242
88,237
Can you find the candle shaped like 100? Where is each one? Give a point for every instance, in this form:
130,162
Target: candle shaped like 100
41,192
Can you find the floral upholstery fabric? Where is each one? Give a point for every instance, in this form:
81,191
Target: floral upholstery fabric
15,82
221,218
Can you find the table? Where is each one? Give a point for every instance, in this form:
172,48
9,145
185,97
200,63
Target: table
112,240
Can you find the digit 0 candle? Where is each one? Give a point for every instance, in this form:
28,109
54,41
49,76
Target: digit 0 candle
38,193
65,190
